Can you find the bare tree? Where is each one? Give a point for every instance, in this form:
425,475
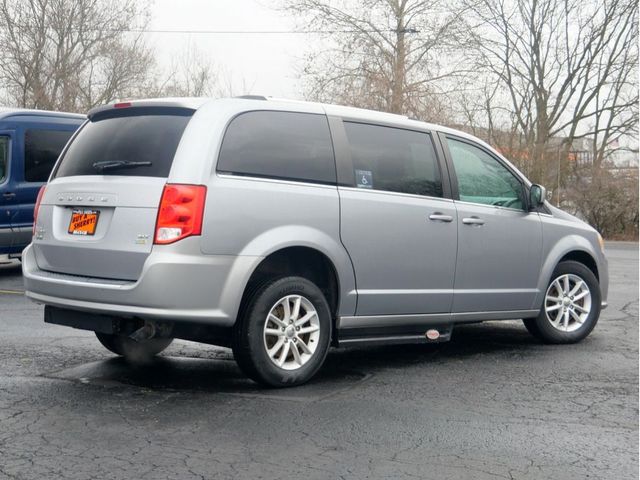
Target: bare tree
230,85
194,74
71,54
381,54
191,74
558,71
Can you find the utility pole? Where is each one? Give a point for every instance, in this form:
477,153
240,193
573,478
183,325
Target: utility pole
558,186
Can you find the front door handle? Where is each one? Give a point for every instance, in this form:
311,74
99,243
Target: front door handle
9,195
440,217
473,221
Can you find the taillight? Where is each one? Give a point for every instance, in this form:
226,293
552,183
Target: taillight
180,212
37,207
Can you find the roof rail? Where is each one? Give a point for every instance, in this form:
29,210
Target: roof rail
252,97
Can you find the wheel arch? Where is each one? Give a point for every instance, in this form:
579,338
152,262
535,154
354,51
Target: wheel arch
302,261
583,257
295,249
572,247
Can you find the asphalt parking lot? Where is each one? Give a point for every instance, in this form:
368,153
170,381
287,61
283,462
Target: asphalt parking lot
492,403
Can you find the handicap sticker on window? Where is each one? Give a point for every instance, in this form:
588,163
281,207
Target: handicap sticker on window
364,179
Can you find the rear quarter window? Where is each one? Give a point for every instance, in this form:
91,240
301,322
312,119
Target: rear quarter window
4,157
150,138
286,145
41,150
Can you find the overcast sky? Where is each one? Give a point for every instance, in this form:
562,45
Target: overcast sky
267,62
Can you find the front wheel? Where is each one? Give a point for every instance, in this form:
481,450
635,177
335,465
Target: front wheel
130,349
571,305
283,335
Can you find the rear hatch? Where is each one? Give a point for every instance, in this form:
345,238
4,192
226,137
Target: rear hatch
98,213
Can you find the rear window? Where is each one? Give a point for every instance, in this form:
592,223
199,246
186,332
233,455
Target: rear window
137,144
41,150
288,145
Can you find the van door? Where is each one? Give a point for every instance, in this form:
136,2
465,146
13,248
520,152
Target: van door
499,240
7,193
396,223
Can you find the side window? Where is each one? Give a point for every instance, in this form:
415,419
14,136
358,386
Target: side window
482,178
284,145
4,158
41,150
393,159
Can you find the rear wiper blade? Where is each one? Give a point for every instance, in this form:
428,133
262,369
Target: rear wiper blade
117,164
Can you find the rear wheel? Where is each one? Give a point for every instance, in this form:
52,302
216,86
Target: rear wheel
283,335
571,305
130,349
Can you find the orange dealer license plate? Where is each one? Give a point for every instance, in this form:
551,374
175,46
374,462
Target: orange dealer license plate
83,222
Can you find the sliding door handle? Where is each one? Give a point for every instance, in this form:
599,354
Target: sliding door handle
440,217
473,221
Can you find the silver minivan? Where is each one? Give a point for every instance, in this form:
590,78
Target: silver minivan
279,228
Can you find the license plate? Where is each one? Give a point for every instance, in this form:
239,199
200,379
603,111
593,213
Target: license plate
83,222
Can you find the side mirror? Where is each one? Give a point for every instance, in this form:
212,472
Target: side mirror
537,195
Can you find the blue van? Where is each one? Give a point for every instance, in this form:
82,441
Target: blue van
30,142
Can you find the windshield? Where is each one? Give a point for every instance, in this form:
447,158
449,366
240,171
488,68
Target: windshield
132,144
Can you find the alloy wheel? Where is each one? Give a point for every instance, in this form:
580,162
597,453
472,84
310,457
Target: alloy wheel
567,303
291,332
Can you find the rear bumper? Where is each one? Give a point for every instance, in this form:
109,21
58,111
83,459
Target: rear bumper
174,286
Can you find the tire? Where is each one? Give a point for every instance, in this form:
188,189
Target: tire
257,332
532,327
130,349
567,318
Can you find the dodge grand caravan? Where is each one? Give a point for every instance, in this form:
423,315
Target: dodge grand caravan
279,228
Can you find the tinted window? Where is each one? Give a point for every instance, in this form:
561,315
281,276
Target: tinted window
482,178
4,157
148,140
279,144
393,159
41,150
